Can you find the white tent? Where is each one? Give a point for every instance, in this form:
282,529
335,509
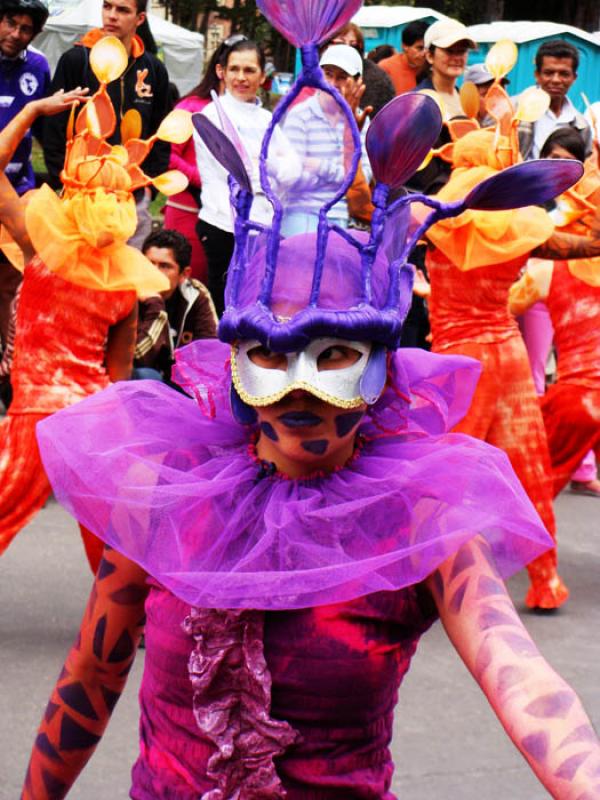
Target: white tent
183,50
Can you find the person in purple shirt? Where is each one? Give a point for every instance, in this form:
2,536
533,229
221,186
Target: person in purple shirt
24,76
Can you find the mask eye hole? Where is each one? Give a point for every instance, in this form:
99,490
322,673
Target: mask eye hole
338,356
267,359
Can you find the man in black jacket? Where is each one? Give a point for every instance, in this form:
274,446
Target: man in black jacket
144,86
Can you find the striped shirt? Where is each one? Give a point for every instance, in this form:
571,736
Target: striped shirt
317,138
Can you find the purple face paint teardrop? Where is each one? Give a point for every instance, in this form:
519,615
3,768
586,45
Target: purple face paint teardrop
316,446
269,431
345,422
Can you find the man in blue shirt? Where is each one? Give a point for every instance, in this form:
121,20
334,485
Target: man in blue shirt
24,76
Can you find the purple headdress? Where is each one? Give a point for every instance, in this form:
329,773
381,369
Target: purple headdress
372,308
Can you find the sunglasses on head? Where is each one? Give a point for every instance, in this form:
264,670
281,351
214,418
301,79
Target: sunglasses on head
235,39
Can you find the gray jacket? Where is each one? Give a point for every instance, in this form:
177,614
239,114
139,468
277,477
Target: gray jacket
526,131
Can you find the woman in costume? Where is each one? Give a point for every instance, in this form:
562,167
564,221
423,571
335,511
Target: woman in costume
181,210
571,292
76,315
574,213
303,534
240,112
473,261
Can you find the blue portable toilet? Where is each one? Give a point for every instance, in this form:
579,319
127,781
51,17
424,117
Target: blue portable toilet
528,36
384,25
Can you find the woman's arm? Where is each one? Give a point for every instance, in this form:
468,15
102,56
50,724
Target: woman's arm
120,346
564,246
12,214
11,135
91,681
540,712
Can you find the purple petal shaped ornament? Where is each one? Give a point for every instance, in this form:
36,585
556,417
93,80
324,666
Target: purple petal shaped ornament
223,150
530,183
308,21
400,137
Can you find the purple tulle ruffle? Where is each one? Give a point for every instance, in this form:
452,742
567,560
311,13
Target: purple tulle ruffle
232,704
179,493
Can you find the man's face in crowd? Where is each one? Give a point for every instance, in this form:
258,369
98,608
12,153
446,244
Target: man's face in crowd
16,32
120,18
415,53
556,76
163,259
449,62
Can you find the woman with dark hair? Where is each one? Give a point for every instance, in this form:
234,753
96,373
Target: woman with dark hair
564,143
181,210
242,72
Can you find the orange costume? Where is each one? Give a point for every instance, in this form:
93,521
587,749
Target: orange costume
476,258
571,406
83,281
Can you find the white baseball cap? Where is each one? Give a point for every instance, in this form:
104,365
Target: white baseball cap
344,57
445,33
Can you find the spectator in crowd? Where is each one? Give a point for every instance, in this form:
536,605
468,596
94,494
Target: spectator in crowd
143,86
380,52
556,64
483,80
447,45
179,315
317,130
379,89
24,76
242,74
181,210
405,68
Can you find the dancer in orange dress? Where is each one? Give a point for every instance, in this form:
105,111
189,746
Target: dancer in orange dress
474,260
77,308
571,406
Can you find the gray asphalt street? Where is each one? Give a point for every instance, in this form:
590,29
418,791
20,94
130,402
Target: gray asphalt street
447,744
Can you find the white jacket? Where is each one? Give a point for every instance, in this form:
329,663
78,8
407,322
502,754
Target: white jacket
251,122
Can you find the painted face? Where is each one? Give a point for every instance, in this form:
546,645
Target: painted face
449,62
329,369
415,53
16,32
556,76
301,433
242,75
120,18
164,260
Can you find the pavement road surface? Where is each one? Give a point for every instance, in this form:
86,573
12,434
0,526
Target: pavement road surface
447,744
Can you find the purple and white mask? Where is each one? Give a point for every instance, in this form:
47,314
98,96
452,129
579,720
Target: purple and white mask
341,372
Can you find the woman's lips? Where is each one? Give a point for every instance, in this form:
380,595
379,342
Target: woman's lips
300,419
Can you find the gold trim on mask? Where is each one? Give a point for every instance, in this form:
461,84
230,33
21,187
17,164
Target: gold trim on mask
258,402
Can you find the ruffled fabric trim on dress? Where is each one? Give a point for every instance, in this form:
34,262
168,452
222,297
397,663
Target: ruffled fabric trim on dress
178,492
83,240
232,704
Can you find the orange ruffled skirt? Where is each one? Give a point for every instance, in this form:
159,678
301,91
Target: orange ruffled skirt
505,412
24,486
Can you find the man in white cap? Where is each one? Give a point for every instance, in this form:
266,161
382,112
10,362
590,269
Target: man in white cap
317,130
447,44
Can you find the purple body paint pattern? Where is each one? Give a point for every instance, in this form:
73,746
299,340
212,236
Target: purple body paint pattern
555,704
569,767
536,745
319,661
344,423
269,431
316,446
